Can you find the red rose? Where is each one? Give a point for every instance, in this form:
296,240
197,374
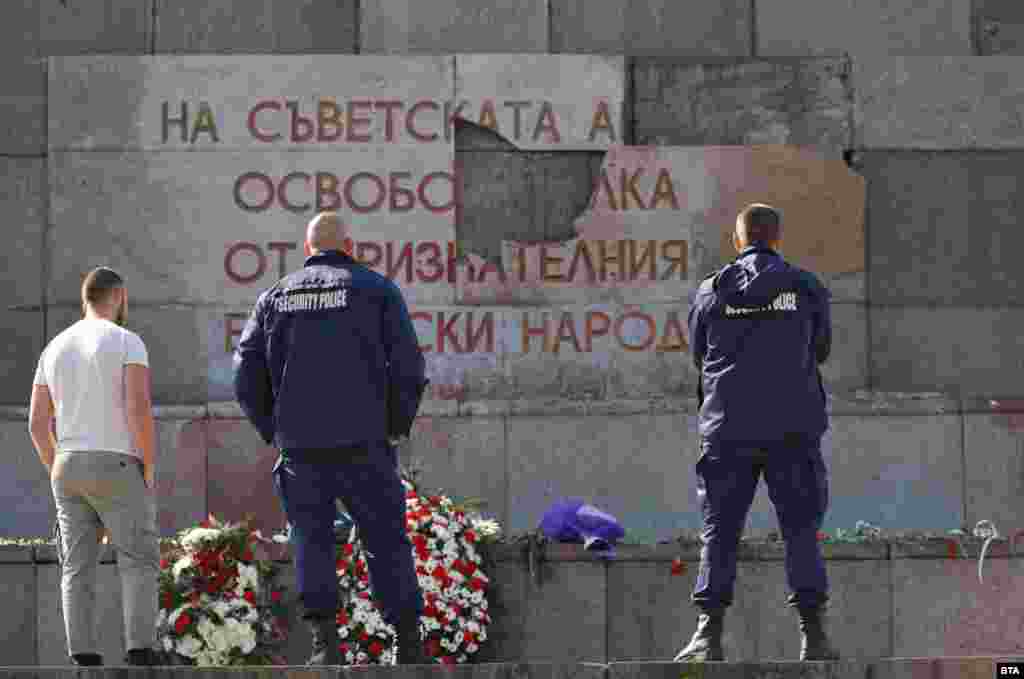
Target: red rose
275,596
168,600
470,536
433,648
364,595
341,618
430,611
164,564
470,637
211,588
440,573
410,494
182,623
476,585
343,647
678,567
822,536
448,660
348,549
421,570
248,555
250,597
376,648
364,636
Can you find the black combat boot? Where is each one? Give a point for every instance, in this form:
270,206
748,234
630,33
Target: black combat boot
325,641
814,643
706,643
87,659
410,643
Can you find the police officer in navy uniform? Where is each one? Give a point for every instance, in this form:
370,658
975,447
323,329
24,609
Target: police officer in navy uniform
329,370
759,329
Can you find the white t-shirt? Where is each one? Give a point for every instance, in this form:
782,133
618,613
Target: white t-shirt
83,367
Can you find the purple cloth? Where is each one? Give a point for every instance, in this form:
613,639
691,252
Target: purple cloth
573,520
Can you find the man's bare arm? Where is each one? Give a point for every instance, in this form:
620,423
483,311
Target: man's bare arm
139,407
40,422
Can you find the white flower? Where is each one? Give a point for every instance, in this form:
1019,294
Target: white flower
180,565
197,536
343,632
472,648
459,637
168,644
248,577
473,626
487,527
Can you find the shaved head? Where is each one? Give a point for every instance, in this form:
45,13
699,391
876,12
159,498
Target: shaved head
326,231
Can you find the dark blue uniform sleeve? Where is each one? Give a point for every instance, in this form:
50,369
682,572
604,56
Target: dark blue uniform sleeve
406,367
823,326
698,338
252,376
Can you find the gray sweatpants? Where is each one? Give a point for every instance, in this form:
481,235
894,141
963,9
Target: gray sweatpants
95,490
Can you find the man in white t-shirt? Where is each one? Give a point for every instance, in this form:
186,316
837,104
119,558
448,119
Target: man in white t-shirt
93,378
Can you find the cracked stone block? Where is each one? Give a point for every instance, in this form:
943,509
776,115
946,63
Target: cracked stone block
859,27
652,27
938,103
192,102
660,219
545,102
308,27
804,102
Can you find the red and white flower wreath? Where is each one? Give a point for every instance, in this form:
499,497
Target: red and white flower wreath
448,566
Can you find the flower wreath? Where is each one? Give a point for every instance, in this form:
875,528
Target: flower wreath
448,567
215,607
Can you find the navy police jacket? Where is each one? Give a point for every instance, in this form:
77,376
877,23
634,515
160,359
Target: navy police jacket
759,329
329,358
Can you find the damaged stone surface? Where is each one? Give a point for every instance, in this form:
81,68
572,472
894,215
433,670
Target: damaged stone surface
801,102
999,26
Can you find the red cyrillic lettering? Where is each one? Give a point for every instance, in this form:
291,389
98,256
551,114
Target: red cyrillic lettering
254,130
485,330
422,192
393,266
566,324
411,115
629,188
678,262
282,249
602,121
327,186
619,258
389,123
591,332
646,256
354,122
282,187
664,190
229,263
621,320
581,247
667,344
546,122
434,259
529,332
302,129
394,191
444,331
545,259
328,118
351,200
268,188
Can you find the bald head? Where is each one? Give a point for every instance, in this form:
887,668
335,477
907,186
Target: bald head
326,231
